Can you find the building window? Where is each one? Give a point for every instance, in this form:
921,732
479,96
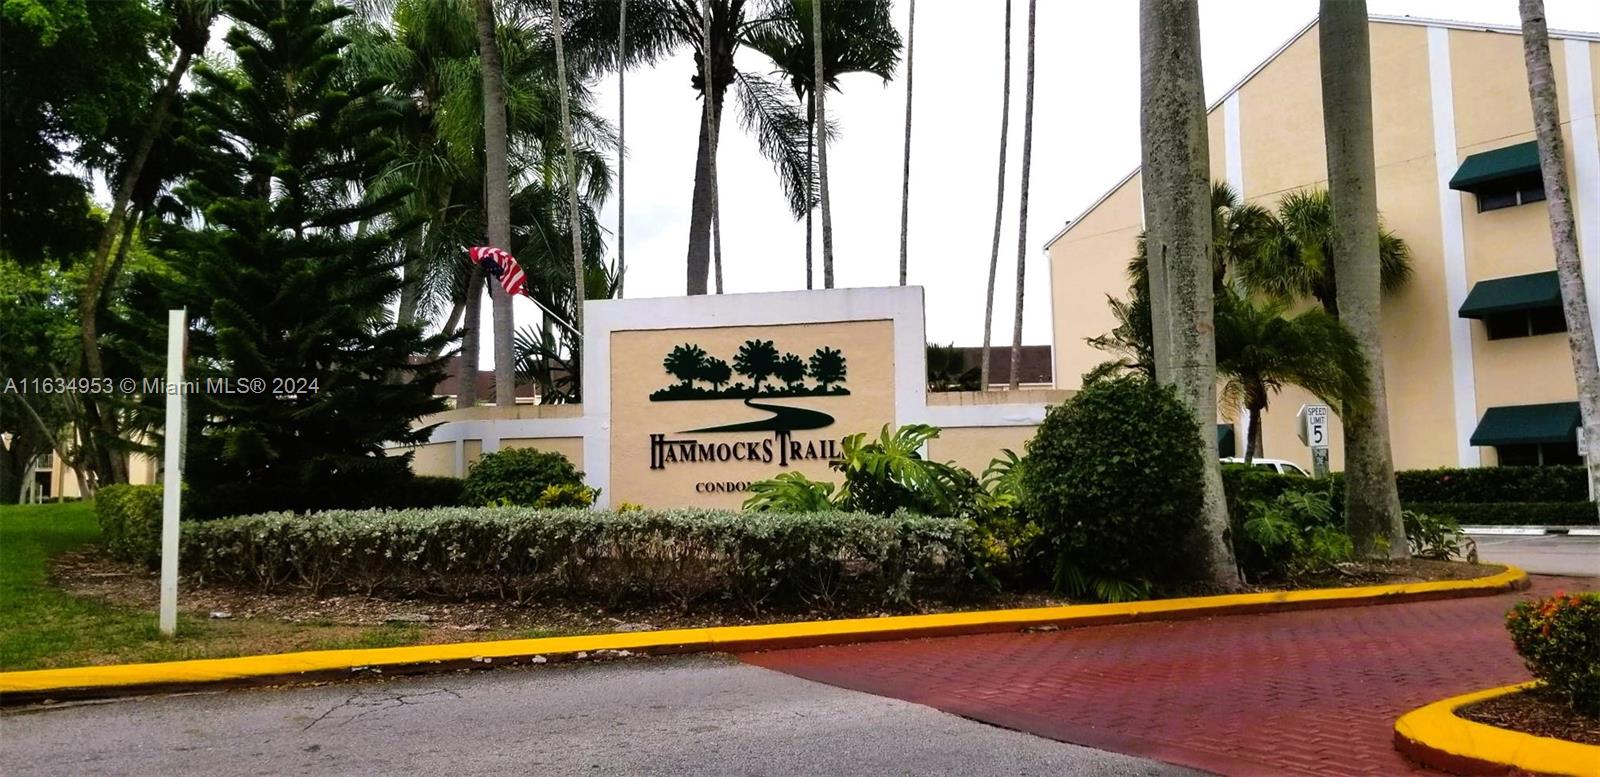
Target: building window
1525,323
1538,455
1510,192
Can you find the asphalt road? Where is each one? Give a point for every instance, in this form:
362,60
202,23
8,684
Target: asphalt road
677,716
1548,555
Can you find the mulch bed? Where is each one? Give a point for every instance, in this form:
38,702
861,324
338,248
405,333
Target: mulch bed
93,574
1536,711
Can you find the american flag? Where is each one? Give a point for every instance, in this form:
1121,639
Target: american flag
501,265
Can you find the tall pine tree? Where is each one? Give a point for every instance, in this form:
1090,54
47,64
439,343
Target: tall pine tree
286,274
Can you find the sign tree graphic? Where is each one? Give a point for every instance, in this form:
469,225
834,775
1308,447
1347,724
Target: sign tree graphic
761,369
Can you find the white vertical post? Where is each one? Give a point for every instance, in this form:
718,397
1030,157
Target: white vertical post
172,480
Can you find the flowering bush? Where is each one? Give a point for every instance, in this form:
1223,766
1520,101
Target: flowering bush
1559,639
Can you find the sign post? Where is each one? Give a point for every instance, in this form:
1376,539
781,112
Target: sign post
172,476
1314,433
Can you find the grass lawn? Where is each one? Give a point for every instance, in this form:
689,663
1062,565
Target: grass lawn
44,627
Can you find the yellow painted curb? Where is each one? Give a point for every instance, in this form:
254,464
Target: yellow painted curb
88,679
1433,731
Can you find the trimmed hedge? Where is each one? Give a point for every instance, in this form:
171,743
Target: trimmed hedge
130,522
1511,513
380,486
1494,484
678,557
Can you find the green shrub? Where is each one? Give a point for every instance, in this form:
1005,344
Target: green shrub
1296,533
566,495
130,522
889,473
1494,484
1436,537
517,476
678,557
1008,539
429,491
1510,513
1114,479
1243,485
791,492
1559,639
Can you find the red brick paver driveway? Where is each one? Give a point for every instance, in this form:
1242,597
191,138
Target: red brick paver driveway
1311,692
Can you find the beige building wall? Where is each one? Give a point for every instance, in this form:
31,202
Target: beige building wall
1279,126
974,447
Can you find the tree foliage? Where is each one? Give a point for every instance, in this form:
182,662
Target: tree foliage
75,80
279,283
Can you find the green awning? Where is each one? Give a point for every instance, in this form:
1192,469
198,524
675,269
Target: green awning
1226,447
1528,424
1508,295
1497,165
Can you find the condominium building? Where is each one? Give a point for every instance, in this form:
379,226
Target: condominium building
1475,351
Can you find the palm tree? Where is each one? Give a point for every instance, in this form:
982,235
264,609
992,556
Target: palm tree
1293,258
1563,231
1022,205
1260,349
574,225
655,28
1178,238
428,51
999,201
1372,504
905,175
859,38
497,194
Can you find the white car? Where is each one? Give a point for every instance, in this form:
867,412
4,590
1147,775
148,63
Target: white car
1276,465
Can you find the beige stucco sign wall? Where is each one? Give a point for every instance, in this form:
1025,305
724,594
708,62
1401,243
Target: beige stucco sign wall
687,400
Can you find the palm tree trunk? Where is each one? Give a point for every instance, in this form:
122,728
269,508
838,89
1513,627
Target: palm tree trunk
622,148
811,173
1252,445
1022,207
711,159
574,224
905,174
1563,228
471,339
497,195
999,204
1177,204
702,204
411,286
1372,504
818,87
698,260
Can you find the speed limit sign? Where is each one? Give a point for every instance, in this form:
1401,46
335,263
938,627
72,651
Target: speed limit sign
1314,425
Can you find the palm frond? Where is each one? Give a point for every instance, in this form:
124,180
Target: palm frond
781,131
